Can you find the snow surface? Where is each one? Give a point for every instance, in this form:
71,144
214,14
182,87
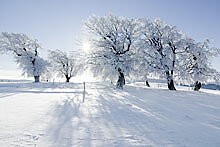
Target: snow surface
47,114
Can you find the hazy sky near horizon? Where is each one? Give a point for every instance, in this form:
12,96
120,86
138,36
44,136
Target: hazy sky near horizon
57,23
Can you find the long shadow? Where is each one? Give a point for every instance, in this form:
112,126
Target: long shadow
30,91
116,122
123,125
126,112
129,110
7,95
11,93
61,127
10,89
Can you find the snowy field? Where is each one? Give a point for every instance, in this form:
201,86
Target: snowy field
53,115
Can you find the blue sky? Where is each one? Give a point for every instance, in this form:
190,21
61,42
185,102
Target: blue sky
57,23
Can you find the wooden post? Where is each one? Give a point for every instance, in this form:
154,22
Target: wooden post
84,91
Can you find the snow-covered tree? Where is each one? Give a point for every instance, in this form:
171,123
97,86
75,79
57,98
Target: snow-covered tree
113,41
159,48
196,63
141,69
25,51
65,65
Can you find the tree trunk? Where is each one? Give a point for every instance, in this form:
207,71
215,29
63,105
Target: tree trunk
121,80
147,83
197,86
67,78
170,82
36,79
171,85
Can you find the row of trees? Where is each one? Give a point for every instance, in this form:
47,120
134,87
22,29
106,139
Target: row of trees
121,47
26,54
141,47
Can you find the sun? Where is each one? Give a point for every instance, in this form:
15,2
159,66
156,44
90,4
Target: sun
86,46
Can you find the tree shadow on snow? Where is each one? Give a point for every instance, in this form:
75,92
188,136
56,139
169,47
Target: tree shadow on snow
61,127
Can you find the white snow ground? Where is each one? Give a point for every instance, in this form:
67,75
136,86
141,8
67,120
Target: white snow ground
53,115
